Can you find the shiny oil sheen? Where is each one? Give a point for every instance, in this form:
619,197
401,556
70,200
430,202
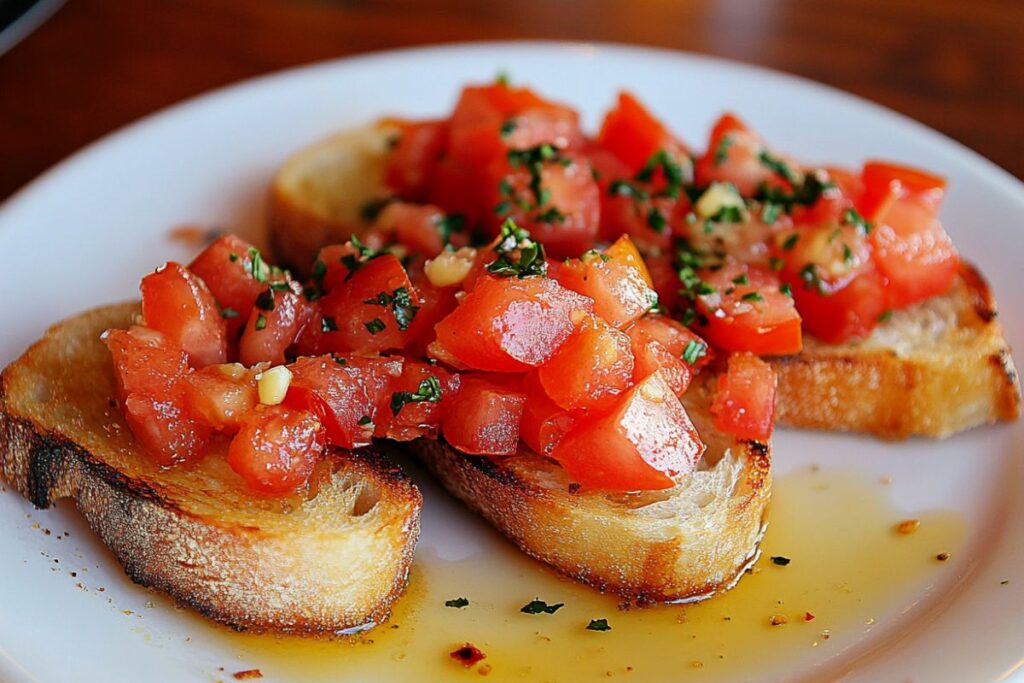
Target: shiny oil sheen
850,572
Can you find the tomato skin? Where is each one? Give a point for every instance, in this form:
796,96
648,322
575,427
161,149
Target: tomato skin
885,182
413,159
573,194
276,449
619,286
151,374
483,418
177,303
744,403
222,396
766,325
416,226
226,268
351,391
363,327
334,270
591,370
510,324
544,423
422,418
639,445
650,356
847,313
269,332
633,134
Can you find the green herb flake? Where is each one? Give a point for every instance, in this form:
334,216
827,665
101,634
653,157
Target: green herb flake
541,607
428,391
328,324
741,279
501,78
507,126
227,313
457,602
786,289
261,322
694,351
852,217
790,241
319,272
885,316
770,212
257,266
233,257
374,326
364,421
598,625
722,150
518,254
775,263
780,560
265,300
752,296
401,305
778,166
656,220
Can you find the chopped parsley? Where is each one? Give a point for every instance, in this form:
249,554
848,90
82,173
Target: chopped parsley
694,351
656,220
670,168
809,274
457,602
328,324
770,212
752,296
261,322
507,126
372,208
780,560
533,160
429,391
449,225
790,241
401,305
541,607
741,279
258,268
885,316
778,166
354,262
625,188
265,300
722,150
598,625
518,254
319,272
501,78
374,326
847,254
228,313
775,263
852,217
786,289
364,421
806,191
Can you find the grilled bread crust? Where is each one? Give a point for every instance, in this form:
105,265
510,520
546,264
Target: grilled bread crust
331,560
934,369
684,543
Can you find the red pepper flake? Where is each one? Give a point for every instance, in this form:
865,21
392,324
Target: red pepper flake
248,674
484,669
467,655
808,616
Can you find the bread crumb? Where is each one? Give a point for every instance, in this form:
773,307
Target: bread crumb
778,620
484,669
908,526
942,557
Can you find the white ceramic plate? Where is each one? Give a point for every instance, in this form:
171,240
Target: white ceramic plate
85,232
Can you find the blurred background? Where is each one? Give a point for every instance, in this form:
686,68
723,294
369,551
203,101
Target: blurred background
95,65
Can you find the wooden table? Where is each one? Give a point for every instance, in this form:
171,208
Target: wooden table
956,65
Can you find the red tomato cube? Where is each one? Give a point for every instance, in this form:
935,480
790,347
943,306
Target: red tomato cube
483,418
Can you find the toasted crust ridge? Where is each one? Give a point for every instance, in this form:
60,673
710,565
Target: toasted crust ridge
331,561
935,369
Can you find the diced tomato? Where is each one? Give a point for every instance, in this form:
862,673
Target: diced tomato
349,393
510,324
738,155
843,191
644,441
634,135
913,252
421,394
616,280
680,341
226,267
544,422
151,373
329,268
483,418
372,310
277,449
665,280
222,396
423,228
177,303
565,216
885,182
591,370
274,324
840,315
744,403
747,311
650,356
459,188
413,159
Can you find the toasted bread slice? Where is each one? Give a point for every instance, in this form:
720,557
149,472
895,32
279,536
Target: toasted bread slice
684,543
332,560
318,195
934,369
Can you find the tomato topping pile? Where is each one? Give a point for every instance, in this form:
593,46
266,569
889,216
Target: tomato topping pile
526,283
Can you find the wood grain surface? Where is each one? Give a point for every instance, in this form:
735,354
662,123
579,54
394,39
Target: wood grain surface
956,65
